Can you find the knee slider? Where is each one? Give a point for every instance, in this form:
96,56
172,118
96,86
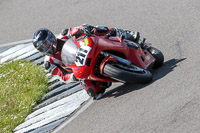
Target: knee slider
90,92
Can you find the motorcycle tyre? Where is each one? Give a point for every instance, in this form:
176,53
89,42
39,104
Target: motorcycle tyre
127,76
158,55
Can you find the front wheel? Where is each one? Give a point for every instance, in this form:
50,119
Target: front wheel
124,73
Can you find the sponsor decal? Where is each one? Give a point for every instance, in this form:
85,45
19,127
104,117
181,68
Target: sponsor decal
86,41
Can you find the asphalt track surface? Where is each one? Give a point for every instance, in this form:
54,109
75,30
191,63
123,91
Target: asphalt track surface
171,102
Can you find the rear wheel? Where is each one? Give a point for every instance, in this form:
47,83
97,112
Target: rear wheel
124,73
158,55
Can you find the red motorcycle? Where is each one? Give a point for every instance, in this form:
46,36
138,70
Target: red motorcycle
111,59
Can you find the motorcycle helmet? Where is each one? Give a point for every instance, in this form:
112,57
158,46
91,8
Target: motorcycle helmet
45,41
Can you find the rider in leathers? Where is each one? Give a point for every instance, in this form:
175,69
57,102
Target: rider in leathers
45,41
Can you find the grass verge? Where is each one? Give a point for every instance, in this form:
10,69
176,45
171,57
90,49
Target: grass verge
22,84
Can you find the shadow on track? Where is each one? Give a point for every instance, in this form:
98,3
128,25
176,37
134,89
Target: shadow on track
159,73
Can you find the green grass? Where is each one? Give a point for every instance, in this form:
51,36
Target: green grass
22,84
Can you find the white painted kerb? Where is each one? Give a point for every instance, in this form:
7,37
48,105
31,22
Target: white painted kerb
15,43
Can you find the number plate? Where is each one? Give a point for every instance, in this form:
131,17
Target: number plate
81,55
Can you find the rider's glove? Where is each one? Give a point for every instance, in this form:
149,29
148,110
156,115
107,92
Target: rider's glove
47,65
64,31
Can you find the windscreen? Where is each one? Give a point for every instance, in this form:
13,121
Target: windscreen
68,51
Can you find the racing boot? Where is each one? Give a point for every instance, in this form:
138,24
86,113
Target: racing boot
132,36
127,34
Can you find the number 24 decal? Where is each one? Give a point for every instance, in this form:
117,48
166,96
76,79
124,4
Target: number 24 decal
81,55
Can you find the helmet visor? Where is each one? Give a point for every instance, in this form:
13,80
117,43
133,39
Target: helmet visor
44,46
52,49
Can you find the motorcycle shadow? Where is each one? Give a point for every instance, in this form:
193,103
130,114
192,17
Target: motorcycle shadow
159,73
